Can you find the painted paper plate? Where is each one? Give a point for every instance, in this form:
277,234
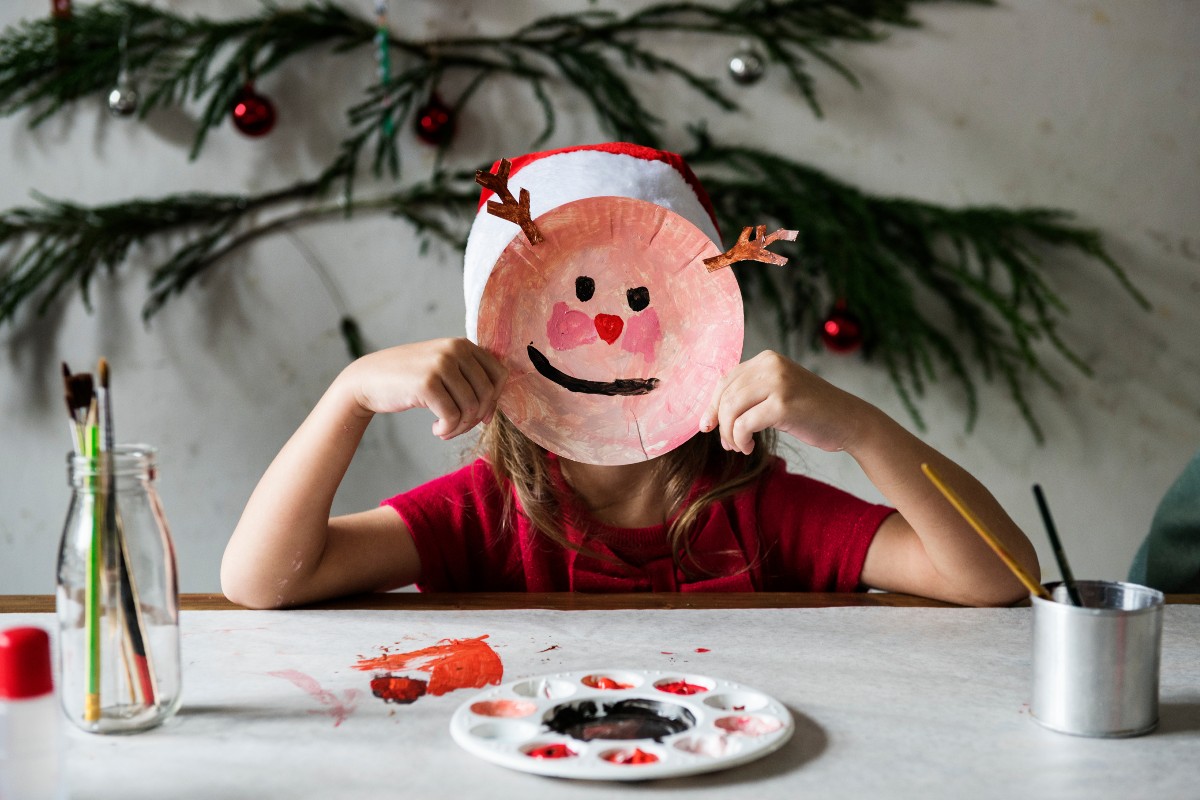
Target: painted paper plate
613,330
621,724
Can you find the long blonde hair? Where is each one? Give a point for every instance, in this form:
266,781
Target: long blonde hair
522,464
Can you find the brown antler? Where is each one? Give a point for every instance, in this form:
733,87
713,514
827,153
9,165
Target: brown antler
509,208
755,249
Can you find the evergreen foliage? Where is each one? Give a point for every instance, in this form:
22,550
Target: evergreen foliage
888,258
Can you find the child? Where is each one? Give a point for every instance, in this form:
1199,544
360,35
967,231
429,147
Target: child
624,450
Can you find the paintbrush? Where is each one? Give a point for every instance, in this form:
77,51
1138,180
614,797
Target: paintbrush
78,392
112,521
1059,553
80,395
91,450
1014,566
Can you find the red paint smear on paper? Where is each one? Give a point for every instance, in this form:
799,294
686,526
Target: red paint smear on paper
397,689
338,709
681,687
635,756
703,650
548,649
550,751
451,664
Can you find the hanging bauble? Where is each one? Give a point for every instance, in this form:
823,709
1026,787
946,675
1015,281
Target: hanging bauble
123,99
841,331
435,121
253,114
747,66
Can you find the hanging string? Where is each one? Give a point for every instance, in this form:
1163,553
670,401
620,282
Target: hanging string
351,334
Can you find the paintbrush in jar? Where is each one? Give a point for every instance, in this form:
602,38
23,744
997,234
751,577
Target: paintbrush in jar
112,520
78,391
82,409
91,450
1060,554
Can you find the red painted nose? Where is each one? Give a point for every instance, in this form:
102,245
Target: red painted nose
609,327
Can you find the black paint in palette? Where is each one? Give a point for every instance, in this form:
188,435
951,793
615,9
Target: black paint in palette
635,718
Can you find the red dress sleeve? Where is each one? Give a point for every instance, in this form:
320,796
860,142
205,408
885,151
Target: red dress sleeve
456,524
816,535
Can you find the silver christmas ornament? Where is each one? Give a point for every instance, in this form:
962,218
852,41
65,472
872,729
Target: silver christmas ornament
123,100
747,66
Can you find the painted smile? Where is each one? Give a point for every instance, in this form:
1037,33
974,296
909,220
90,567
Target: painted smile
625,387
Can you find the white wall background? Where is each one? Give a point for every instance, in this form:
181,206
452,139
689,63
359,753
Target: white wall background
1089,106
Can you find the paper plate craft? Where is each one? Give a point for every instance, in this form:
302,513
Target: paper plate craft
621,724
595,274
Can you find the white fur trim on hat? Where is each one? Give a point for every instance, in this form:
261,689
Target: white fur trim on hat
563,177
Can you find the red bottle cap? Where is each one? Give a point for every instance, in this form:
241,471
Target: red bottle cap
24,664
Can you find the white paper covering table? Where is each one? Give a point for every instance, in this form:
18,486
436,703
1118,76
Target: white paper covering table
888,703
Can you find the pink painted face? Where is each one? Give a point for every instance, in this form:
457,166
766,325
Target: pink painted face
613,330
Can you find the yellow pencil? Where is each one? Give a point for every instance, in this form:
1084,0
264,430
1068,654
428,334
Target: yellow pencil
1033,586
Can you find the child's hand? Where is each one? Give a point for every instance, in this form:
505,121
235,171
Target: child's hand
771,391
456,379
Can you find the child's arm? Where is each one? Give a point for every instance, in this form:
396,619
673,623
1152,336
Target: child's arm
286,549
926,549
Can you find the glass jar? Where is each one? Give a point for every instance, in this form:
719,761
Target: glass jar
118,596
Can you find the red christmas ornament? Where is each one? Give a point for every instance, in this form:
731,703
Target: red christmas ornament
253,114
435,122
842,332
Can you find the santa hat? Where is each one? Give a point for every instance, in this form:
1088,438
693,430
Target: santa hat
556,177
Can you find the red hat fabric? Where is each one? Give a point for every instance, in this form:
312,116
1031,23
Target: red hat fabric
556,177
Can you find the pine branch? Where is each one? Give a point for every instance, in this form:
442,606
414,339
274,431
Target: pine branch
980,267
177,60
58,243
889,259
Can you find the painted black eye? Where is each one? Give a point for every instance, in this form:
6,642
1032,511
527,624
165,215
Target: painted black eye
638,298
585,287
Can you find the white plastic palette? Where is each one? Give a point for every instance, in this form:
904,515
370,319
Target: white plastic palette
621,724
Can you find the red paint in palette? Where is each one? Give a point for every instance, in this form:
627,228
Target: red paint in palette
681,687
503,708
635,756
550,751
451,664
749,725
604,682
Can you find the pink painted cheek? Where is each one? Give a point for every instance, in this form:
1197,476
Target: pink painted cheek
642,334
568,329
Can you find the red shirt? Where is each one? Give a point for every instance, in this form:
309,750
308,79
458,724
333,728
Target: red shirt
785,533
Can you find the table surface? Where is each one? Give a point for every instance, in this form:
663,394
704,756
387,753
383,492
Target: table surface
892,697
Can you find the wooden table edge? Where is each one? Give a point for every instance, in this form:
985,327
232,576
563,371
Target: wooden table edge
560,601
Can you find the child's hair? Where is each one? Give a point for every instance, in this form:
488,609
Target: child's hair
518,461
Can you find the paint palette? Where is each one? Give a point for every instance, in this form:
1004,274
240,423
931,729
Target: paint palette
621,724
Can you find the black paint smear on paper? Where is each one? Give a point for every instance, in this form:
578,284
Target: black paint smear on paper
623,387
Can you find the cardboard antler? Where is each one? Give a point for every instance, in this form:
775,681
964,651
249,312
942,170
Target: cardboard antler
509,208
755,249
